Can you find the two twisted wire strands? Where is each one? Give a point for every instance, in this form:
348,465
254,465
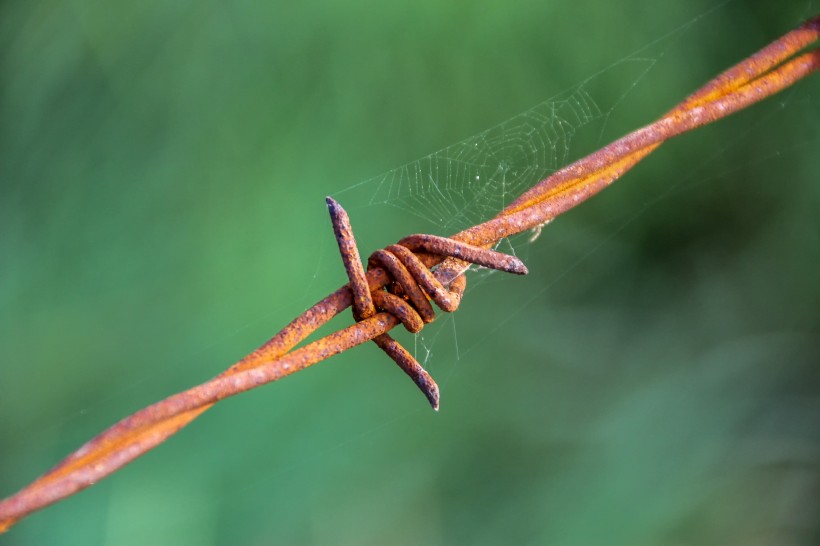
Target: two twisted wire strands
765,73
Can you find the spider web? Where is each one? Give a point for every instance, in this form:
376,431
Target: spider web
457,186
470,181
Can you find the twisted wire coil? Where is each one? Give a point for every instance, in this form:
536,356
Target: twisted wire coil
413,285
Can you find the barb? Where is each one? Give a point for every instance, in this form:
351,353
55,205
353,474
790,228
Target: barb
415,281
767,72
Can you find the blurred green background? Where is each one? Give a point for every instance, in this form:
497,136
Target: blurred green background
652,381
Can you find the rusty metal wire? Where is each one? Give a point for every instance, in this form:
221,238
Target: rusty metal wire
413,280
765,73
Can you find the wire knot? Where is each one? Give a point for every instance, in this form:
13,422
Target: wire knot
414,285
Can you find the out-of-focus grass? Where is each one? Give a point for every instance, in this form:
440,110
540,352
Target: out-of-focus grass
653,381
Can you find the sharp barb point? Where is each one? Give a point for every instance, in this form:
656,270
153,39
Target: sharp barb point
332,203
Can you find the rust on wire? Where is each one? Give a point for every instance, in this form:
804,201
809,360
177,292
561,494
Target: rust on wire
406,269
416,282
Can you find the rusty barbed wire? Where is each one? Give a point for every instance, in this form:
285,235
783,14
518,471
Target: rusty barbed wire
413,280
765,73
